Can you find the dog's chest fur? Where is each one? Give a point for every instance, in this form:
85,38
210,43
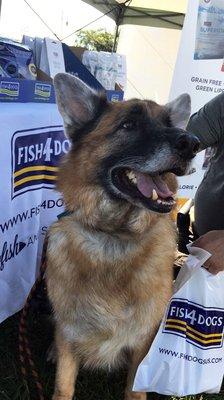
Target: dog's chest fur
101,330
104,289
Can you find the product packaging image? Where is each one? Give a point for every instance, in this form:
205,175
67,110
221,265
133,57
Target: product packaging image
209,42
16,60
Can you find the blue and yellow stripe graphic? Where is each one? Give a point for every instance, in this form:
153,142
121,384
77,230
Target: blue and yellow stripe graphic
9,92
34,175
181,327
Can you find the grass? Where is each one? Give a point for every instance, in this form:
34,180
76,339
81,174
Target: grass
90,386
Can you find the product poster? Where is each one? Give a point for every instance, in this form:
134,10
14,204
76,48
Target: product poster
199,71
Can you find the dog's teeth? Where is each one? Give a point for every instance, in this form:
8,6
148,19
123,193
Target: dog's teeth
166,203
154,195
131,176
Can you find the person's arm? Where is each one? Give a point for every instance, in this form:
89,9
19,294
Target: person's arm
208,123
213,242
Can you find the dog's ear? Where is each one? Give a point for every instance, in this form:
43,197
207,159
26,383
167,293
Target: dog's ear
180,110
77,102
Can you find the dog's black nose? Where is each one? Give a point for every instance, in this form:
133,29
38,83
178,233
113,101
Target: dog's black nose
187,145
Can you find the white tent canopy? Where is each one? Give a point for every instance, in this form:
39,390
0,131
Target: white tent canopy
157,13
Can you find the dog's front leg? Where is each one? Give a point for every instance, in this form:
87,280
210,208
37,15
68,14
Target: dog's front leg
67,370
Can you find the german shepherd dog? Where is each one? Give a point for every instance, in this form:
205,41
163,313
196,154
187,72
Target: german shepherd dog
109,274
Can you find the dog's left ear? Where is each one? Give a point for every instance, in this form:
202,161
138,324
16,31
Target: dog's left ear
180,110
77,102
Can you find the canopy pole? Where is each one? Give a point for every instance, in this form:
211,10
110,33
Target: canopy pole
115,38
121,11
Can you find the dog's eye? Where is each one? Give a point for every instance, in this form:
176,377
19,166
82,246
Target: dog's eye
129,125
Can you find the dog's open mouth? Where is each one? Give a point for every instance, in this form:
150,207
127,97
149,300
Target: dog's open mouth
151,191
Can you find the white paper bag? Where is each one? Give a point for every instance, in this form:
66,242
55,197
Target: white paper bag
52,57
187,355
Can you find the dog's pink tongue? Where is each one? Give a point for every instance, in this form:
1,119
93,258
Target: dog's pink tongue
162,188
146,184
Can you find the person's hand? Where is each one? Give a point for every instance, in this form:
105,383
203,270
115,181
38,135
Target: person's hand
213,242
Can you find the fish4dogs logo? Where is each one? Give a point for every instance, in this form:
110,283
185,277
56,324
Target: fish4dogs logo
200,326
42,90
35,157
9,88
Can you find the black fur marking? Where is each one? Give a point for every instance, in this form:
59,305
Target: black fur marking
165,119
136,117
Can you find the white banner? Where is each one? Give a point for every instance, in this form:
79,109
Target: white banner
32,141
199,69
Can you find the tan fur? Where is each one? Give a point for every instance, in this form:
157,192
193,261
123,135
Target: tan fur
109,274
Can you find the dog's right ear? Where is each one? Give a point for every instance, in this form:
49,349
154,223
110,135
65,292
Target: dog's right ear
77,102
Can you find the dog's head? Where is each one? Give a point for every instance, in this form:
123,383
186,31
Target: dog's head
129,151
